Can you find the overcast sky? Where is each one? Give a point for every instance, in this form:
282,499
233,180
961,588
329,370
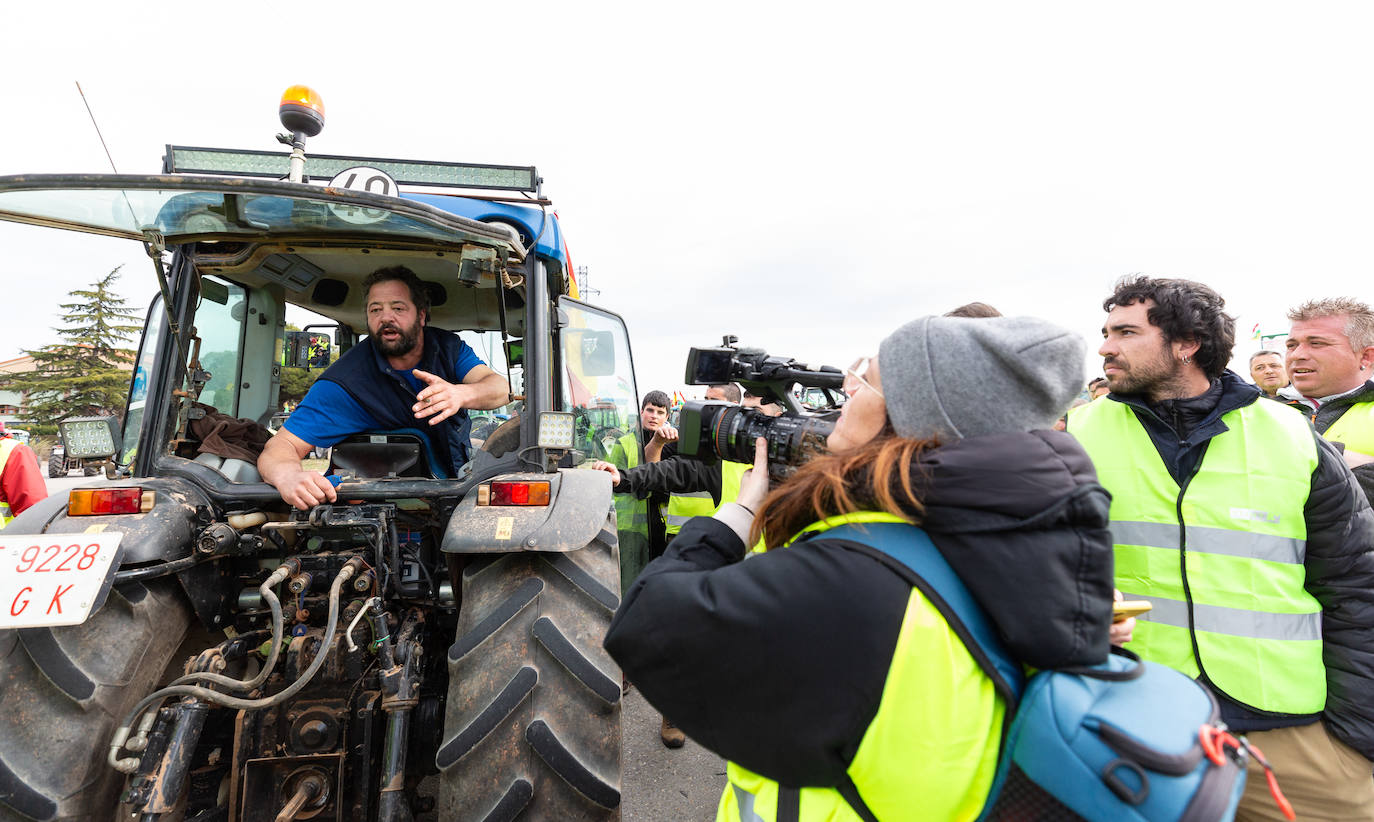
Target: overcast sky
805,176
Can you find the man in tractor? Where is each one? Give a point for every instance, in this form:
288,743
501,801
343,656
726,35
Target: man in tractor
404,373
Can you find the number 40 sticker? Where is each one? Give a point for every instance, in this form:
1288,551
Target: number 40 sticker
363,178
54,579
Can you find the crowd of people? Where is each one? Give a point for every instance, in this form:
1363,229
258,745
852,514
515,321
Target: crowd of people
1239,511
838,690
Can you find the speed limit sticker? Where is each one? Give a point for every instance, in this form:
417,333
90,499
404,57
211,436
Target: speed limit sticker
54,579
363,178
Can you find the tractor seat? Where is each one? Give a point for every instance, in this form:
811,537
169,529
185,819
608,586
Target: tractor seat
386,455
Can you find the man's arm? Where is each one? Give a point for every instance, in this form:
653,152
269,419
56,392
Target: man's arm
280,466
22,481
1340,574
677,475
481,389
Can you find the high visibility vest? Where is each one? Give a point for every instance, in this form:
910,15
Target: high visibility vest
7,446
632,514
1355,428
684,506
930,751
1221,558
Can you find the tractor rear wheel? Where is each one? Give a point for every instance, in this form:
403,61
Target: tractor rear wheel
63,691
533,715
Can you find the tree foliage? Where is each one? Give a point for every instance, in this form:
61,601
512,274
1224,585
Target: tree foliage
81,375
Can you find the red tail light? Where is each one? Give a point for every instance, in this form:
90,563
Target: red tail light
514,493
84,502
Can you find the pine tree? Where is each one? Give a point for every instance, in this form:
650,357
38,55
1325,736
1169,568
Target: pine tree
80,376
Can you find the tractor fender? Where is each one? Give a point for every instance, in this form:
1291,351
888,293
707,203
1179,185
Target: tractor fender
576,513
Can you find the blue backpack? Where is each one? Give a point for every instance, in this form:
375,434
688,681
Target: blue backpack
1123,741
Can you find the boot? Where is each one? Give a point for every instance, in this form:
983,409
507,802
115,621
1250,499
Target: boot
670,734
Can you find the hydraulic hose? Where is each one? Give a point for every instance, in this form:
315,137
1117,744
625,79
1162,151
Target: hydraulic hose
237,703
278,629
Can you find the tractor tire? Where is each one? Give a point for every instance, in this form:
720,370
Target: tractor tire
532,727
90,470
57,466
63,691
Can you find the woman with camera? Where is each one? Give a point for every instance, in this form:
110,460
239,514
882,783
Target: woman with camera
836,688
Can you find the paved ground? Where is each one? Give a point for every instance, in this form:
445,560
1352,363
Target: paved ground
661,784
62,485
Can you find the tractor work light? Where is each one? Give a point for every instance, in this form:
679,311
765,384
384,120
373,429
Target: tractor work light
302,111
556,430
519,492
89,502
252,163
90,437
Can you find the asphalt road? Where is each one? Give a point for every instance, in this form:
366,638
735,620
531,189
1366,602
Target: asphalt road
661,784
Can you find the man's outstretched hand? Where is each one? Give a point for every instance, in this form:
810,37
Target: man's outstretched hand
439,399
601,465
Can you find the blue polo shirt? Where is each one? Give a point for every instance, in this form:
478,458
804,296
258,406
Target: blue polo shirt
329,413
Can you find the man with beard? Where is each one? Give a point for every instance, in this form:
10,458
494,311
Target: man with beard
1250,537
406,372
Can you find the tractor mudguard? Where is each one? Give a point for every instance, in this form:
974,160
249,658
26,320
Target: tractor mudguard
579,501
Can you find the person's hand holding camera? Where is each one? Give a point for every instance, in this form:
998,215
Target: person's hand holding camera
753,487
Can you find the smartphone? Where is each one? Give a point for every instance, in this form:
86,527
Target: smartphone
1127,608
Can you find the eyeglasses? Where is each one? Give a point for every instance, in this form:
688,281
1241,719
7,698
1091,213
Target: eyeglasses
857,371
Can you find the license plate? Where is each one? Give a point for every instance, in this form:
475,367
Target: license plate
54,579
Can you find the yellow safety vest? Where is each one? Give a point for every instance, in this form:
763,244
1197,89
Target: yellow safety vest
7,446
1355,428
930,751
684,506
631,514
1221,558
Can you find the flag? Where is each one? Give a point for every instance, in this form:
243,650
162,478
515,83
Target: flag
1255,332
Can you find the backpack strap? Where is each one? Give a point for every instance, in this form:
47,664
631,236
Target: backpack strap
909,552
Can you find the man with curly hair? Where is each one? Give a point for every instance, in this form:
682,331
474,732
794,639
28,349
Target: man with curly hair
1250,537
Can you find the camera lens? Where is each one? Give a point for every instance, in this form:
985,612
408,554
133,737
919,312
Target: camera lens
792,440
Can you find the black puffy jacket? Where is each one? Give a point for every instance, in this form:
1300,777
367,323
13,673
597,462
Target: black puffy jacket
715,643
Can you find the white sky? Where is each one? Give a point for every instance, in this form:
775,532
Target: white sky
806,176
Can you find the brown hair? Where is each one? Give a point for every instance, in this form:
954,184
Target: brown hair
974,311
876,476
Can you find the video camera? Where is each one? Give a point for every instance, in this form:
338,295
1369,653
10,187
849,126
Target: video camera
713,428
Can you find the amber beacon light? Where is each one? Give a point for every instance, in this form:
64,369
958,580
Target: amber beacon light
302,111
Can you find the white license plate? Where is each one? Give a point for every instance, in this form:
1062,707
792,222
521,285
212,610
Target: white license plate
54,579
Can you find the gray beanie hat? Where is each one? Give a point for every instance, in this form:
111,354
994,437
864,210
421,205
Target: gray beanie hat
952,377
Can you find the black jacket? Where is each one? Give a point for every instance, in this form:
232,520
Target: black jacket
1339,559
1326,416
778,663
671,475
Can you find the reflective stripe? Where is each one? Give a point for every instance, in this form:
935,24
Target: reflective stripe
7,446
745,801
1204,540
1218,619
676,521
